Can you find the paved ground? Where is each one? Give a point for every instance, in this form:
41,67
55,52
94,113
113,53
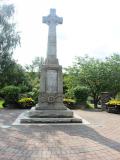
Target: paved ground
100,140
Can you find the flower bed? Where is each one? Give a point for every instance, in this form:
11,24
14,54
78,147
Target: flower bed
70,103
26,102
113,106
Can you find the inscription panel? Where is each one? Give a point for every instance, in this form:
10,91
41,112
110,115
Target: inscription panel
52,84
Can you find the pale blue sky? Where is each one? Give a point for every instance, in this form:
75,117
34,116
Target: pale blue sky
89,27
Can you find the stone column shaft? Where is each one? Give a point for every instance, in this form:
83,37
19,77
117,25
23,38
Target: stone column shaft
51,50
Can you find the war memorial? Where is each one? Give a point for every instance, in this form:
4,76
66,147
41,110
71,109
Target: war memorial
50,107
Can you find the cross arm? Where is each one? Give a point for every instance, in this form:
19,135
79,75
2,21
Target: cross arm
60,20
45,19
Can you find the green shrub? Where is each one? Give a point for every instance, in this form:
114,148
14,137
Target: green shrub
1,103
11,94
118,96
69,93
26,102
34,94
81,94
23,88
89,105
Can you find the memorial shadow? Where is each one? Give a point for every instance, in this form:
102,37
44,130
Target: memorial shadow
42,133
71,130
18,136
90,133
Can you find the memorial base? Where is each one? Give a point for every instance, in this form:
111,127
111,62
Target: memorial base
33,113
49,116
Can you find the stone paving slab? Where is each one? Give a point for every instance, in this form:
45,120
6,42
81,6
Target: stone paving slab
99,140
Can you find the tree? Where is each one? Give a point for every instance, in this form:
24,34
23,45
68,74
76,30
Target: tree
99,76
70,81
9,39
90,72
113,72
81,94
34,69
18,77
93,75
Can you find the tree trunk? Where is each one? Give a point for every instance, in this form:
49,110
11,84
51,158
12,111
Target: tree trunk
95,100
95,104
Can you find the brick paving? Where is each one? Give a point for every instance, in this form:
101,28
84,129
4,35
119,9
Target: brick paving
100,140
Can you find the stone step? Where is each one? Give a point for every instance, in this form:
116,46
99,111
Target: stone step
50,113
51,120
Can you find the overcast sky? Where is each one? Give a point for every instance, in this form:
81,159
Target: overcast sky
89,27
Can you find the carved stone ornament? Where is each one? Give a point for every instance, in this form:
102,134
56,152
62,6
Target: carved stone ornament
51,99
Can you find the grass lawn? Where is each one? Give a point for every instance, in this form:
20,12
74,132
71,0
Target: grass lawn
1,103
91,106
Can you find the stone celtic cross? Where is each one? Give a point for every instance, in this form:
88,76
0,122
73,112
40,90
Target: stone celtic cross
52,20
50,107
